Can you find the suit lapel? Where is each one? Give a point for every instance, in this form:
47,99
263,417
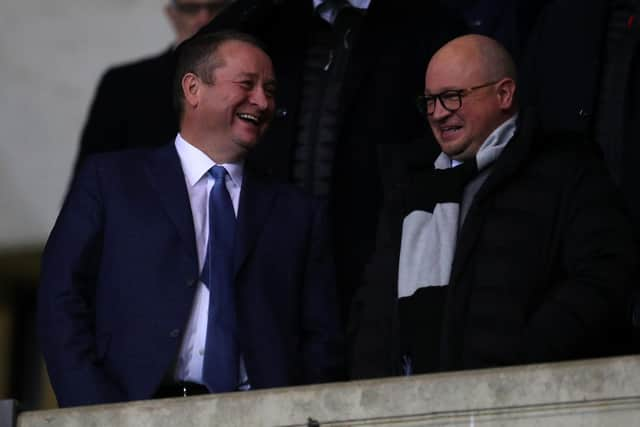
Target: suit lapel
167,180
256,200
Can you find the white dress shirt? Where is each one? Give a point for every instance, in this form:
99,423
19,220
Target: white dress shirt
329,14
196,165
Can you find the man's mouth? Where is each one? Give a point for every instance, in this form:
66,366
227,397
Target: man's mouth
249,118
449,131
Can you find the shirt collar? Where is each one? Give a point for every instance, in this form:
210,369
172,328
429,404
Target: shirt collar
196,164
360,4
329,13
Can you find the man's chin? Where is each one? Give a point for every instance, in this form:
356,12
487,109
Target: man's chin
246,144
448,148
455,149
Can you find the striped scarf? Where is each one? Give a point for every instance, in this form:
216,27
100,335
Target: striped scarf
430,230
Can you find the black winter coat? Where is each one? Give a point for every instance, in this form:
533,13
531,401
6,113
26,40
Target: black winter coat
543,270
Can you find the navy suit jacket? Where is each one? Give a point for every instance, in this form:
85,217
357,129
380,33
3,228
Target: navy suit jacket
120,268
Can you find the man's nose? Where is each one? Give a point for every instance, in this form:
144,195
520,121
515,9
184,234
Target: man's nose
260,98
439,111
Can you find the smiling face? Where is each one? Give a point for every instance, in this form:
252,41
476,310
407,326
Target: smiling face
462,64
227,114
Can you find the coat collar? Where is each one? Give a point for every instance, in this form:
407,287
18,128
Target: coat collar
509,162
514,155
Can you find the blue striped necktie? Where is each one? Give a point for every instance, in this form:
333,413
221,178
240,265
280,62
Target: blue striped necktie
221,358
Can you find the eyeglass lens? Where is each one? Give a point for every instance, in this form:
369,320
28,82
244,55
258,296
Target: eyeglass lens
450,100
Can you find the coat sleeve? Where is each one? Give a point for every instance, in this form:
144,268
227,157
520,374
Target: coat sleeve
322,340
586,312
66,309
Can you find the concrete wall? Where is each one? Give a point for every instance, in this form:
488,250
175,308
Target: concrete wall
603,392
51,56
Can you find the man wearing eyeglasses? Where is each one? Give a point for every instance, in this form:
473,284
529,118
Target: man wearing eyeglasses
132,106
513,247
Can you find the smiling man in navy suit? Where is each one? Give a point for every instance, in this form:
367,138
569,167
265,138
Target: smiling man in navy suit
178,270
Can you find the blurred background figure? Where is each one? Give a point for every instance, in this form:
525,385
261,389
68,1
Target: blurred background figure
581,72
133,106
188,16
508,21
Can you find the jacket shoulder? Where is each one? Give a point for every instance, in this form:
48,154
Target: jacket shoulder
119,74
568,149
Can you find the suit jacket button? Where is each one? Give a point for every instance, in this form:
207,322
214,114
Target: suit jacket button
174,333
191,282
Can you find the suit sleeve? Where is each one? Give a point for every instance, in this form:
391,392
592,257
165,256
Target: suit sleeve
66,310
587,312
322,340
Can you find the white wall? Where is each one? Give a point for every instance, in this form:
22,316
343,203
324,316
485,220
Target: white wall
52,53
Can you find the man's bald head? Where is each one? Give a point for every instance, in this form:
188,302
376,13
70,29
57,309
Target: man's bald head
478,54
482,73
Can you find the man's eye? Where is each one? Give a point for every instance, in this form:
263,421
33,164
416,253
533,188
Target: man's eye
270,91
247,84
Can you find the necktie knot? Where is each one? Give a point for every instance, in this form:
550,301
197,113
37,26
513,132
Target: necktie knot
218,172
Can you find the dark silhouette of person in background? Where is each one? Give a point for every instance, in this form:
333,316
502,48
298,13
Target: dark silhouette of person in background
133,104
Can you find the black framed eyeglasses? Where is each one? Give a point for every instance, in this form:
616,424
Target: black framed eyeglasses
193,8
451,100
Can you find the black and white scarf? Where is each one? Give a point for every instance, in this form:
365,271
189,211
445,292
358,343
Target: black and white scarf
430,230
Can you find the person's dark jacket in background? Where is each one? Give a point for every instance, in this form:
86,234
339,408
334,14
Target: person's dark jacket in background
132,108
582,73
508,21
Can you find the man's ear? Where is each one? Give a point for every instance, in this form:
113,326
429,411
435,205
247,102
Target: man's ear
506,93
191,89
